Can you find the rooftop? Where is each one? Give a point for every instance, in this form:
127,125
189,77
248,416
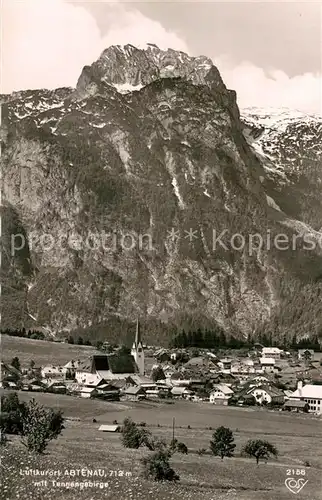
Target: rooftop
271,350
223,388
134,390
267,361
294,403
308,391
88,389
109,428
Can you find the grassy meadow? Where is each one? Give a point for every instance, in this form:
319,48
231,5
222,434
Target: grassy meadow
296,436
41,351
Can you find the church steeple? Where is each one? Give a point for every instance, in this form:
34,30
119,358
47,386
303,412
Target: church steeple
138,341
137,349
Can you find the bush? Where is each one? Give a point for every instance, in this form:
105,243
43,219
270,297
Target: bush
157,374
142,424
155,444
15,362
40,426
223,442
259,449
175,445
55,422
12,411
133,436
157,467
182,448
201,451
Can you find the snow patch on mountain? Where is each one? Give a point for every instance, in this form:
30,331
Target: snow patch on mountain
125,88
283,139
271,203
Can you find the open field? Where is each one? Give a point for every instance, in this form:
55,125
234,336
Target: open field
41,351
47,353
297,438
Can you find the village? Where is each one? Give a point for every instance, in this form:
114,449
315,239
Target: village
262,376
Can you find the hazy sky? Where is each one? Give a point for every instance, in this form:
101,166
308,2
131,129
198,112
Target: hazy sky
269,52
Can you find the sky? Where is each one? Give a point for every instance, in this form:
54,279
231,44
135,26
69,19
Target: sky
269,52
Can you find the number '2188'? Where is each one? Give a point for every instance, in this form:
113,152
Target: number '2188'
295,472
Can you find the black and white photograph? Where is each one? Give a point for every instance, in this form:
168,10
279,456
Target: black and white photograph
161,250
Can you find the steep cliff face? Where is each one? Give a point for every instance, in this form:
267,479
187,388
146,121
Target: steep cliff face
289,144
122,188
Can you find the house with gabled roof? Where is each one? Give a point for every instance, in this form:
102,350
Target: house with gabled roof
88,392
181,392
271,352
268,364
221,394
85,375
56,387
134,393
296,406
162,355
53,371
266,394
8,373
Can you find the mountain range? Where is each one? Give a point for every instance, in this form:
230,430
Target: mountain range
145,192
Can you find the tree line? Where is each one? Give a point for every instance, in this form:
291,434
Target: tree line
30,334
209,339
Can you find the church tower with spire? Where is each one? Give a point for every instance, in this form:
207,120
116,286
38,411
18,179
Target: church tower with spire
137,349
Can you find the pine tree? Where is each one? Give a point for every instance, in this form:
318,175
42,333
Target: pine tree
223,442
16,363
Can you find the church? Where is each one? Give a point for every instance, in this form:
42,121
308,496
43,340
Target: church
113,366
137,350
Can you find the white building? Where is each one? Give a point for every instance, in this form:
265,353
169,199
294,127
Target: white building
268,364
137,350
51,371
257,381
181,392
311,394
225,365
87,392
221,394
84,377
271,352
267,394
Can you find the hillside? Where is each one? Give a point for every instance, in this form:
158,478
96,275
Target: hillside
121,185
42,352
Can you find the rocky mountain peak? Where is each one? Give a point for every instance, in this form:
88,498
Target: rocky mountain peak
129,68
151,143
